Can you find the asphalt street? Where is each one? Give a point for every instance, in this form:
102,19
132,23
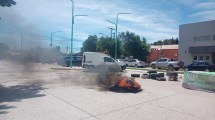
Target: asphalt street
37,92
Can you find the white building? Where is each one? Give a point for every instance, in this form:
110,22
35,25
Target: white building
197,42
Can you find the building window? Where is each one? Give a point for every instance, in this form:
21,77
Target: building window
202,38
206,38
194,58
201,58
197,38
207,58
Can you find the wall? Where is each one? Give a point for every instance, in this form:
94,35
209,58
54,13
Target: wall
168,53
186,34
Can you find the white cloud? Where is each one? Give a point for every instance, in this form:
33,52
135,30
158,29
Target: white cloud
205,15
205,5
44,16
151,36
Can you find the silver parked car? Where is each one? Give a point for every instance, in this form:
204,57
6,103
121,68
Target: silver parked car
135,63
166,63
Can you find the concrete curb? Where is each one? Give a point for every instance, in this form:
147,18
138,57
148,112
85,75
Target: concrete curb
147,69
66,68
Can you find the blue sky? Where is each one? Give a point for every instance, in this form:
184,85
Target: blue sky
152,19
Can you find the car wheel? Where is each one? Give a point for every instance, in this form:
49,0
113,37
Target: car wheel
170,68
153,66
136,66
176,69
126,65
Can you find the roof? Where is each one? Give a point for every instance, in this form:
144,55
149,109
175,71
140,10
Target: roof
164,47
202,22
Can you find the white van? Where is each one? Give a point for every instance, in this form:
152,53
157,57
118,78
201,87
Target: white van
96,59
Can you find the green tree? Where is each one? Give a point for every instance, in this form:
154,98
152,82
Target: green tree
144,40
107,46
132,45
159,42
89,45
176,41
171,41
7,3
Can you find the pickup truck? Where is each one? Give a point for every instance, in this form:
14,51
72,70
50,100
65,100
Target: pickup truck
166,63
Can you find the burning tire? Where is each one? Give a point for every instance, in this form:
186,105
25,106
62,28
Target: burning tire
126,85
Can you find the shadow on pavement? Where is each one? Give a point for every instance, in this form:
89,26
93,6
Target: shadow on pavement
17,93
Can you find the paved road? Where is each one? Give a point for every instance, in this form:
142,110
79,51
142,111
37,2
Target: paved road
36,92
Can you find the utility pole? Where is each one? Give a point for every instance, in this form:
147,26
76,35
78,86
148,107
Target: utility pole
111,33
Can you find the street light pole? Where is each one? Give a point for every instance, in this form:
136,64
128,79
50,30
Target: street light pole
72,34
52,37
21,39
73,21
116,36
116,31
51,41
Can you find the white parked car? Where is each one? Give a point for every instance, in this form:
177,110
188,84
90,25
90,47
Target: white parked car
135,63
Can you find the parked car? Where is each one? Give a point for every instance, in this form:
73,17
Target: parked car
96,59
166,63
200,66
76,61
121,63
120,60
135,63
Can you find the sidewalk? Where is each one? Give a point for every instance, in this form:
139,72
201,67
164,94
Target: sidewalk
66,68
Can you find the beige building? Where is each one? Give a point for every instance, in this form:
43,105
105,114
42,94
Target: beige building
197,42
